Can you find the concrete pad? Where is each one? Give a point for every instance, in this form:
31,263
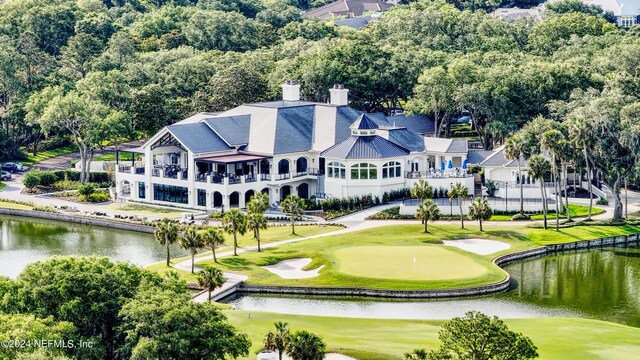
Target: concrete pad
478,246
292,269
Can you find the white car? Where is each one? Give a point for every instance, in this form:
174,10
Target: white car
5,175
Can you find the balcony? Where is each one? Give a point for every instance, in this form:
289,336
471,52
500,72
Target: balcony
437,174
170,172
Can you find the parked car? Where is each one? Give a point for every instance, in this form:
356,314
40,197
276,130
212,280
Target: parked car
12,167
5,175
463,120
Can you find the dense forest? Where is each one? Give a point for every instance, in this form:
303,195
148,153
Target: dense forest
97,72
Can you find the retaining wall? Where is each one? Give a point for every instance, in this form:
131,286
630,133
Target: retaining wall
78,220
500,261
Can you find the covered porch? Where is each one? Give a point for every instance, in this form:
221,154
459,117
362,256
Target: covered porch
232,169
130,161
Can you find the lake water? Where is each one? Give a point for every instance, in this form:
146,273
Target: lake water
25,240
602,284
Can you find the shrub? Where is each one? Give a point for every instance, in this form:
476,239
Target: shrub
492,187
99,197
602,201
47,178
519,217
85,190
65,185
31,179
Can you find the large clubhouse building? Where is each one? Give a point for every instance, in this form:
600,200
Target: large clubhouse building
298,147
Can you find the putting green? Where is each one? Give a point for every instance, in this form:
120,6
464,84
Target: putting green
428,262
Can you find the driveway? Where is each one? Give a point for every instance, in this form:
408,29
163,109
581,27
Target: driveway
64,161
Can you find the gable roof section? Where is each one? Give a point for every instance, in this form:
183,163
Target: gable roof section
233,129
416,123
478,156
294,130
198,137
407,139
365,147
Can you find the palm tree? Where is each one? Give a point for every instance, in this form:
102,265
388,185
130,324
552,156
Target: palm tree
539,168
514,150
210,279
235,222
213,238
259,203
191,241
460,192
480,210
417,354
421,190
428,210
166,233
278,340
255,222
581,135
304,345
294,206
552,141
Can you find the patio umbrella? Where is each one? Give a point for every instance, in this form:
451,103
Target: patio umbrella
442,166
450,165
464,164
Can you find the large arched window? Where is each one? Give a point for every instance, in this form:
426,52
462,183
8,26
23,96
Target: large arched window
336,170
364,171
391,169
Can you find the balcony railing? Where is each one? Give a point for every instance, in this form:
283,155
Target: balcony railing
140,171
250,178
155,172
124,169
265,177
436,174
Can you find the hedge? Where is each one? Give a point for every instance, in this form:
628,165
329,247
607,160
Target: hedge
36,178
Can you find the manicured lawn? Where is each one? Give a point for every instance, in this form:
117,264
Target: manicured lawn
374,339
2,185
8,205
271,234
323,251
124,156
576,211
144,210
408,263
44,155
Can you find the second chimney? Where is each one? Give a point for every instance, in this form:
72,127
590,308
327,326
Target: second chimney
290,91
339,95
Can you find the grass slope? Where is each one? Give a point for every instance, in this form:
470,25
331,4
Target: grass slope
2,185
30,159
144,210
8,205
376,339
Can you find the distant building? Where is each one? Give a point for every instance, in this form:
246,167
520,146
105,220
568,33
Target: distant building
511,14
357,23
627,12
348,9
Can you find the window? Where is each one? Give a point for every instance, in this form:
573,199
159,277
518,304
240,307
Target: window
364,171
169,193
202,197
391,169
336,170
141,190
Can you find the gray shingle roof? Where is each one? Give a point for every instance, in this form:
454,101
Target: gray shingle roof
294,129
416,123
233,129
198,137
345,116
478,156
282,104
407,139
365,147
349,8
364,122
458,146
357,23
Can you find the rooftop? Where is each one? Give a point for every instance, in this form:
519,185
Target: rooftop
348,8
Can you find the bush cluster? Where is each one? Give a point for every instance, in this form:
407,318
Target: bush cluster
57,178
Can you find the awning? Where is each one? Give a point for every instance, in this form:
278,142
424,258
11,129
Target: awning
226,159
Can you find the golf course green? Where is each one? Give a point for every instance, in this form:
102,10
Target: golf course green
426,262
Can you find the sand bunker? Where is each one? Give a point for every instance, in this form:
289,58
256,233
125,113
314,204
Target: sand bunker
478,246
292,269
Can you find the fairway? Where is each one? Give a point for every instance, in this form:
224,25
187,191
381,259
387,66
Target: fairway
427,262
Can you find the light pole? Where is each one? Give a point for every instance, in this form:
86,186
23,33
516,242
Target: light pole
506,196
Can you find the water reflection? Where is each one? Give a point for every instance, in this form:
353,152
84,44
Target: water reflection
23,241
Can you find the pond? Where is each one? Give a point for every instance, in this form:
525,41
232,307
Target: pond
602,284
26,240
